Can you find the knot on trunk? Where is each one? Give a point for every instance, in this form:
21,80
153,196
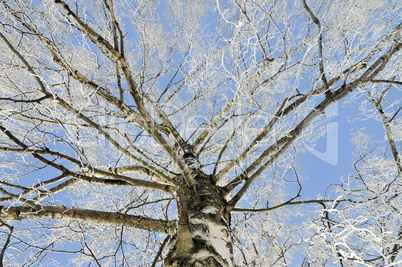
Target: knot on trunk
191,160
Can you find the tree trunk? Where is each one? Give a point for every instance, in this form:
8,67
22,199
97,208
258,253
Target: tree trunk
203,237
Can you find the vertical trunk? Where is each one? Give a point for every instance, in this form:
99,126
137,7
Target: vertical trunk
203,237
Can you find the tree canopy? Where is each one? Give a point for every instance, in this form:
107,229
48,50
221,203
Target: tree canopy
150,133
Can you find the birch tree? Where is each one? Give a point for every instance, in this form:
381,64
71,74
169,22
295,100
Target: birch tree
168,133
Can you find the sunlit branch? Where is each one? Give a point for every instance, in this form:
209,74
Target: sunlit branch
194,73
84,240
386,81
131,168
388,130
92,216
397,247
115,27
112,141
120,180
32,189
280,113
27,65
303,98
15,186
67,172
112,173
321,60
74,111
287,140
172,130
215,122
254,143
134,90
12,196
159,254
230,139
58,188
148,158
42,152
395,114
360,65
131,116
257,173
25,100
287,203
203,149
76,177
201,138
7,242
171,81
37,156
244,12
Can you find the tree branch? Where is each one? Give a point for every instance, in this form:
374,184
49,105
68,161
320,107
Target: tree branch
161,248
287,203
388,131
386,81
10,231
91,216
289,138
134,90
67,172
321,60
25,100
201,138
82,79
254,143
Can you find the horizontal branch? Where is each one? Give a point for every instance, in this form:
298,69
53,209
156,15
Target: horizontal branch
91,216
124,180
25,100
293,203
321,202
148,121
202,137
117,179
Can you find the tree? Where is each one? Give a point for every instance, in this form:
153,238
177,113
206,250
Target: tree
138,133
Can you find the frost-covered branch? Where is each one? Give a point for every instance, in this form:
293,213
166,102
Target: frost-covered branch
281,145
133,88
93,216
380,111
7,242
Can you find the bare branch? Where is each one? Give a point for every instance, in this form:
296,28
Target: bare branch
63,103
390,137
254,143
321,60
92,216
288,139
386,81
134,91
114,172
67,172
24,100
161,248
10,231
287,203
